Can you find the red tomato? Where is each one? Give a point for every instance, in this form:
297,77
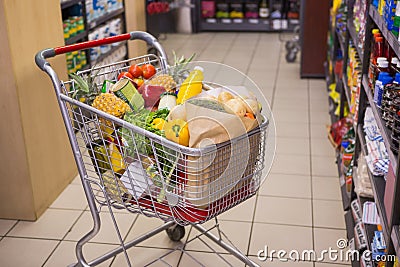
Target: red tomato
148,71
136,71
125,74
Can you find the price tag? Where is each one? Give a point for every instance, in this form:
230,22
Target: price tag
227,21
295,21
253,21
211,20
266,22
237,21
92,24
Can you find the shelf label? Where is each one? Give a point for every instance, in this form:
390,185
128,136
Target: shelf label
227,21
253,21
238,21
211,20
295,21
92,24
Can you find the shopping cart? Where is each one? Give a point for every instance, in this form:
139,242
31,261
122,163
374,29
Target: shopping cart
200,183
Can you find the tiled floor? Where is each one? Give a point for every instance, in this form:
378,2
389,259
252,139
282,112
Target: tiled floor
298,207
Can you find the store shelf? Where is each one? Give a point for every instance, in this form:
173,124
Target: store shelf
396,239
106,17
113,49
213,24
378,187
76,38
346,89
353,36
388,35
70,3
340,40
378,117
348,217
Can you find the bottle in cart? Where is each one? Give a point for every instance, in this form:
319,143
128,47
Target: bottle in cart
191,86
263,11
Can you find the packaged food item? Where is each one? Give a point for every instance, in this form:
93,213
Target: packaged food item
208,9
125,90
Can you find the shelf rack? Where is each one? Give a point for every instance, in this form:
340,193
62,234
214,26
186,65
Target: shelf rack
388,35
76,38
378,187
378,115
353,35
346,89
396,239
93,24
70,3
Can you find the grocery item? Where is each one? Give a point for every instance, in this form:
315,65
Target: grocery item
167,100
191,86
263,9
148,71
124,74
177,131
222,7
151,94
136,71
125,90
235,106
158,123
165,80
110,104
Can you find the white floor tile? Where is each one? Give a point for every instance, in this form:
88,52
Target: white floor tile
284,185
6,225
288,211
23,252
53,224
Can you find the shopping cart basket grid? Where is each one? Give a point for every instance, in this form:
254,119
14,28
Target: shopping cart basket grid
193,185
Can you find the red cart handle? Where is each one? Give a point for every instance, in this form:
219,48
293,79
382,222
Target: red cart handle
41,56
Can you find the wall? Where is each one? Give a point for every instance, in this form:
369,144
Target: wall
135,17
36,159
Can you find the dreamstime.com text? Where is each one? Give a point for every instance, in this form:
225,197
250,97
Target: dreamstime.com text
339,254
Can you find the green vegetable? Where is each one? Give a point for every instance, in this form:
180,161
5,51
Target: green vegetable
166,157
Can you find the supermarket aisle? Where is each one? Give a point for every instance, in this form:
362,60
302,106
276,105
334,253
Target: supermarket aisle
298,208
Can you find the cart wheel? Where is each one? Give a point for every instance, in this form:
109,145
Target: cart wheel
289,45
291,56
176,233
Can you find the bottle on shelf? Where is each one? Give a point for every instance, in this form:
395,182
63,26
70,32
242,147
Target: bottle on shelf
263,9
383,79
222,9
393,65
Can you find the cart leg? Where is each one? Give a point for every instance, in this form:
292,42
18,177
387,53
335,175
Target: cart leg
225,246
127,245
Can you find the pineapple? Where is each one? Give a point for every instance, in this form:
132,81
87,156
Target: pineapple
165,80
180,70
176,74
85,88
110,104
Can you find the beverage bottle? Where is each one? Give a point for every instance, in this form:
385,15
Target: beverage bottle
263,9
383,79
191,86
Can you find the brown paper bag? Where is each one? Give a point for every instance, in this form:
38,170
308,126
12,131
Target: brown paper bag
214,174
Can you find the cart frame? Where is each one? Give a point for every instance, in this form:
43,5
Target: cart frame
62,99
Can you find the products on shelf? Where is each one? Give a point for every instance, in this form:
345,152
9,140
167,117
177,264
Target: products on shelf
354,73
208,9
251,9
98,8
377,158
73,26
378,246
222,9
236,9
76,61
359,20
264,10
362,183
111,28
